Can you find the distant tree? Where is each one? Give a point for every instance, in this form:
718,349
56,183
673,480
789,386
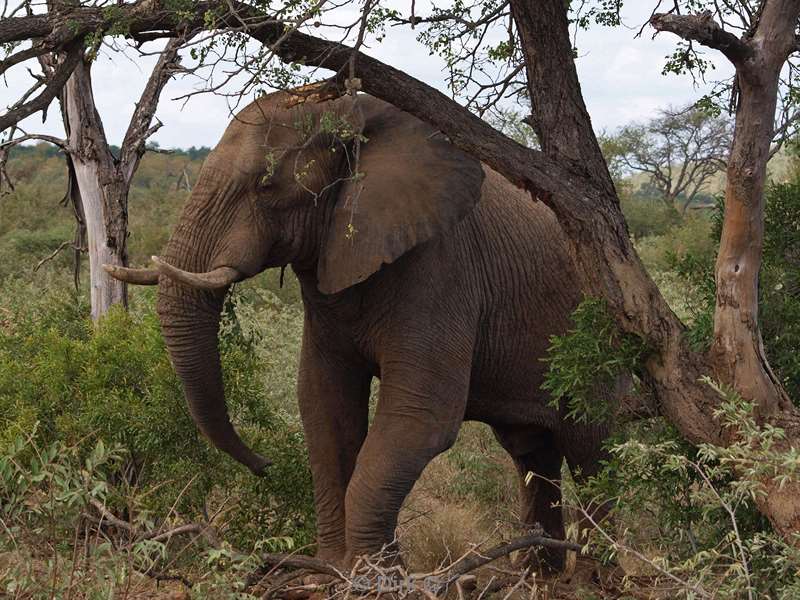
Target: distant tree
195,153
680,151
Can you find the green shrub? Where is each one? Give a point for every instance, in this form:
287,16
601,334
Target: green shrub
647,217
590,356
63,537
687,515
692,236
67,380
480,474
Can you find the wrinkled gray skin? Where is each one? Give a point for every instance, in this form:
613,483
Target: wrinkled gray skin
430,272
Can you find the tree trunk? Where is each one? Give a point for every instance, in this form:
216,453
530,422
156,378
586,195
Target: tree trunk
103,191
610,268
593,221
103,180
737,352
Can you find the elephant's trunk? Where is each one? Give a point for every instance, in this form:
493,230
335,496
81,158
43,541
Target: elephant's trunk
190,324
192,343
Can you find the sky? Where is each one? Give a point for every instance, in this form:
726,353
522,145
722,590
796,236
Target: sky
620,75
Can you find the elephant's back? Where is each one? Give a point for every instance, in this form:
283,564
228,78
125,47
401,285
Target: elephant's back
528,288
530,250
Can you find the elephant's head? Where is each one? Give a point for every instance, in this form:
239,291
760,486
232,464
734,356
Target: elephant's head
338,188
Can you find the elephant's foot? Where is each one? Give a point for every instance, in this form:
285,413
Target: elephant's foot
332,555
542,561
386,555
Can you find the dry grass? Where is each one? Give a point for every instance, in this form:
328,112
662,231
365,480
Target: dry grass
439,523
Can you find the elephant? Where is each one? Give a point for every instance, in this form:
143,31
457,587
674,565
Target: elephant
418,265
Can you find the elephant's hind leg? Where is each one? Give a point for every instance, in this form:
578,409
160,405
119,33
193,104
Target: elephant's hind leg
538,461
420,410
334,405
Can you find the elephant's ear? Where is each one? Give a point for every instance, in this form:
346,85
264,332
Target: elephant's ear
412,185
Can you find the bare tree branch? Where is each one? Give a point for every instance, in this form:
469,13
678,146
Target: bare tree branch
61,143
139,129
521,165
478,559
705,30
157,535
782,132
22,56
52,88
17,29
56,252
143,17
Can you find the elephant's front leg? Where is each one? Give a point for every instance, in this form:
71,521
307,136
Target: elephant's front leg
419,412
334,403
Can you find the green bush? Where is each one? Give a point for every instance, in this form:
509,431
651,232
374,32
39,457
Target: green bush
692,236
67,380
687,515
590,356
63,537
647,217
480,476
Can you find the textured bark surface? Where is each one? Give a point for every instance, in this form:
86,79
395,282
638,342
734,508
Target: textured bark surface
737,351
737,354
596,227
101,180
103,191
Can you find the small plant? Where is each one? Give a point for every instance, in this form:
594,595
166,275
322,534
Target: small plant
685,517
72,529
589,357
63,380
45,493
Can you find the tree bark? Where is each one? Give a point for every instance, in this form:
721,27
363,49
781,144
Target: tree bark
737,351
103,180
596,228
102,188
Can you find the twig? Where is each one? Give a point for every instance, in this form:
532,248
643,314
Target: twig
61,143
52,88
372,568
55,252
470,564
